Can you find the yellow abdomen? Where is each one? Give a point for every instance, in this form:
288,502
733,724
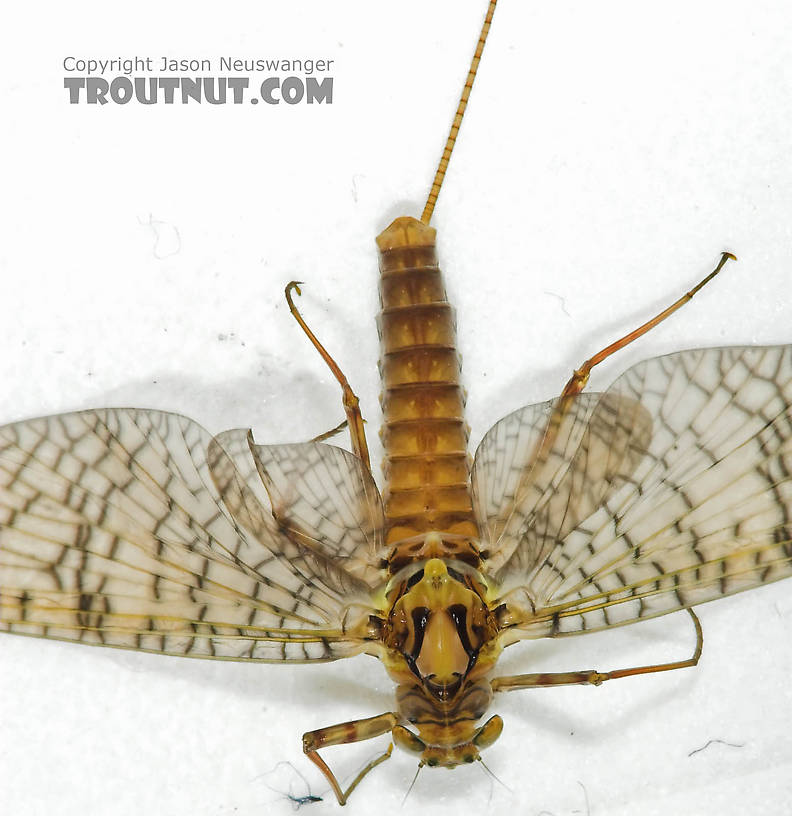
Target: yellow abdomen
424,432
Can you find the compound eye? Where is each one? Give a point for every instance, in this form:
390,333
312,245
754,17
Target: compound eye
407,741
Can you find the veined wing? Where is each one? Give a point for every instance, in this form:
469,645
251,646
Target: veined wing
138,529
523,475
703,513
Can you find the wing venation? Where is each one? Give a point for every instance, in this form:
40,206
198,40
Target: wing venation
690,503
137,529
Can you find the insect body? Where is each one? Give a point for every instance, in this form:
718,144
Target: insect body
440,633
138,529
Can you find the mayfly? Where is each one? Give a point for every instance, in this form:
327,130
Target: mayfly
138,529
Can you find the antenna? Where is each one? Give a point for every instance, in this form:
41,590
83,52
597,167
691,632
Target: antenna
437,183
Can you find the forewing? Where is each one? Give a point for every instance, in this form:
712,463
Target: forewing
114,530
704,512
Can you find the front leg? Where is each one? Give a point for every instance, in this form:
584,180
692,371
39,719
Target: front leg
341,734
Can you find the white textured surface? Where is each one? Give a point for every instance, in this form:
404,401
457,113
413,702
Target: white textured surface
612,151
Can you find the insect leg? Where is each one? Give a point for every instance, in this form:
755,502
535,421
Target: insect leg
357,432
577,382
331,433
344,733
593,677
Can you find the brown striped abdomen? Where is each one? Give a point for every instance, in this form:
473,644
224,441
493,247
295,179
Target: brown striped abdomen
424,433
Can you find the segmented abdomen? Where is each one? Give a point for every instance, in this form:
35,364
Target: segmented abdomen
424,431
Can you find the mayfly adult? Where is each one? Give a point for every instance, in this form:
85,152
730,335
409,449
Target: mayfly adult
135,528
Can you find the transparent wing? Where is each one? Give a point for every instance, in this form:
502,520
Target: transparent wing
697,509
327,495
528,472
137,529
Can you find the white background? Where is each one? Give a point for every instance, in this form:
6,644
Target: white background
612,150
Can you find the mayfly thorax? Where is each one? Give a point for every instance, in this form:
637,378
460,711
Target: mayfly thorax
138,529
